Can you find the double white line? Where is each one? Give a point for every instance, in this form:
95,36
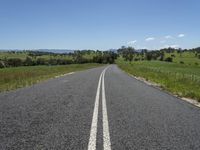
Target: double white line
93,131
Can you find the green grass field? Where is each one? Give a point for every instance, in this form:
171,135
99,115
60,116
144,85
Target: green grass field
180,79
8,55
13,78
23,55
187,57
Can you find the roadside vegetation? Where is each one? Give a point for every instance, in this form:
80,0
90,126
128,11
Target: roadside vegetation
34,58
24,68
175,70
17,77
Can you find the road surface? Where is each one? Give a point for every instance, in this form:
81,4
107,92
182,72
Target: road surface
101,108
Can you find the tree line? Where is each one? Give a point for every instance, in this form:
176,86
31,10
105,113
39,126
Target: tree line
130,54
34,58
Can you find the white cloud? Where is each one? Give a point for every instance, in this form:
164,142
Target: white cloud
168,37
181,35
131,42
150,39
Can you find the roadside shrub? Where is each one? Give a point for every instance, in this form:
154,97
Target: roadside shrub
148,56
98,59
173,55
136,59
81,60
14,62
28,62
181,62
52,61
63,61
196,63
2,64
169,59
161,58
68,62
40,61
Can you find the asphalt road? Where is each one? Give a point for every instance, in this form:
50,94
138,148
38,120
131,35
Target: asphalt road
101,108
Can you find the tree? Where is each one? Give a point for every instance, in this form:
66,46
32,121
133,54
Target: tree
180,52
78,57
28,61
52,61
169,59
2,64
105,57
127,53
41,61
162,55
14,62
109,57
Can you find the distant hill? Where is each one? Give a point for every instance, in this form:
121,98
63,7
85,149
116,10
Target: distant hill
56,50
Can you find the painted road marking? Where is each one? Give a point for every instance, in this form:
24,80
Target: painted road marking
93,131
106,134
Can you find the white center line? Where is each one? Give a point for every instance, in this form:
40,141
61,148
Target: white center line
93,131
106,134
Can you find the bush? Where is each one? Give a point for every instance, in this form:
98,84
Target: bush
136,59
28,62
105,57
181,62
169,59
97,59
52,61
64,62
196,63
2,64
14,62
148,56
40,61
161,58
172,55
68,62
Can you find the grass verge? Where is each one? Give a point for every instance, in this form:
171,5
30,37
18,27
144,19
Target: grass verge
182,80
13,78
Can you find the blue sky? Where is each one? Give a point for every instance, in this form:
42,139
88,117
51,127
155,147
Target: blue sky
99,24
